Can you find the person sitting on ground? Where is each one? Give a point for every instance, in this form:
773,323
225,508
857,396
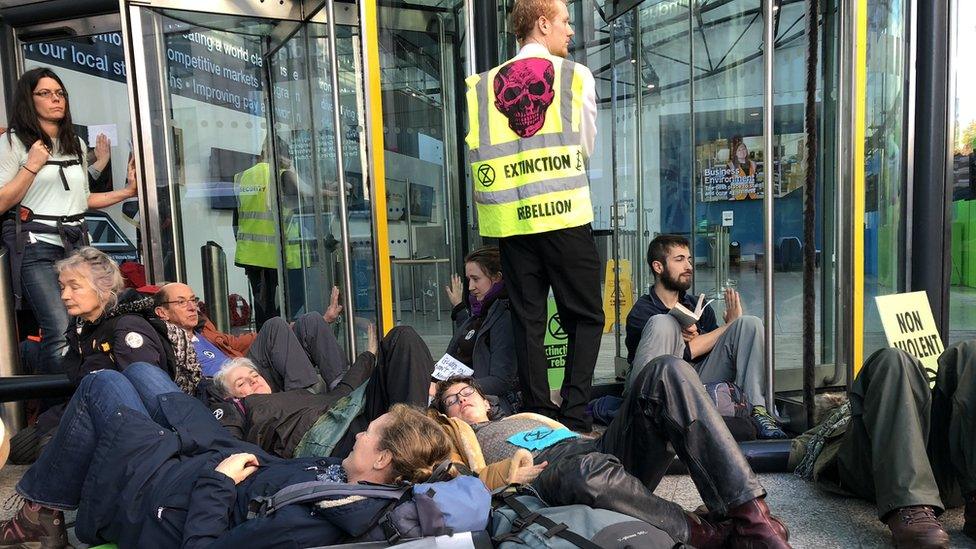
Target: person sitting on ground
731,352
297,422
304,356
483,338
908,448
109,328
666,411
148,466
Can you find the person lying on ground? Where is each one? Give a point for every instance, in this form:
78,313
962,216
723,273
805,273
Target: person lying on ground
483,338
283,422
304,356
908,448
146,465
666,412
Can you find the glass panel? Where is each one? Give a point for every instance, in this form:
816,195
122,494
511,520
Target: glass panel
93,71
251,164
790,142
962,294
311,212
884,228
664,154
728,160
422,69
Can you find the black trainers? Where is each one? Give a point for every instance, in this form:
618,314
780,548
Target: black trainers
766,425
34,526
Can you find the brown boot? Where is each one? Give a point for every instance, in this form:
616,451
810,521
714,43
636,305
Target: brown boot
917,528
969,528
705,534
754,527
34,526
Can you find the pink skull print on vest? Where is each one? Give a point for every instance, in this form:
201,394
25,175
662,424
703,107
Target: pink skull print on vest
523,92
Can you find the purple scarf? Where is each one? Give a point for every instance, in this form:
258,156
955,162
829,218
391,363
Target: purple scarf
476,305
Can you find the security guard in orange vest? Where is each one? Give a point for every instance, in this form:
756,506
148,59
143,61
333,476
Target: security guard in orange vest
532,125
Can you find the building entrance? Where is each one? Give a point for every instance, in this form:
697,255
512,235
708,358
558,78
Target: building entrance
251,138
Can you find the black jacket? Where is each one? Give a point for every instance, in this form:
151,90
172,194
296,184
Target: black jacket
277,422
649,305
493,358
122,336
152,486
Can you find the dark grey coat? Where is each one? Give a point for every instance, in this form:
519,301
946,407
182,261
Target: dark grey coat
493,358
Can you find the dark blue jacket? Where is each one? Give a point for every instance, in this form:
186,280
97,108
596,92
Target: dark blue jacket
649,305
151,486
122,336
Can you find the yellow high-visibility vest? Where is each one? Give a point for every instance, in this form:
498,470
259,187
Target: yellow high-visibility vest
525,147
257,231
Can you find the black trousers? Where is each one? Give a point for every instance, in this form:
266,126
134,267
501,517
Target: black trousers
299,356
264,287
565,260
401,376
666,413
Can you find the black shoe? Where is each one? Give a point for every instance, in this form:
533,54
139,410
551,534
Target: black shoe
766,426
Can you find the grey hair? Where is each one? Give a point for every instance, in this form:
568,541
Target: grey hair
103,273
221,376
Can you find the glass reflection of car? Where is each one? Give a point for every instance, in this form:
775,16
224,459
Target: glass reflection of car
108,237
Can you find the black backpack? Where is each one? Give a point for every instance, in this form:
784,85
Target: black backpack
522,519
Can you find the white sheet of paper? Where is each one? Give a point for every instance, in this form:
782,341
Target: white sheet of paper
448,367
111,131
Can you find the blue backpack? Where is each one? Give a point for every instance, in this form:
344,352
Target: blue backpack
434,508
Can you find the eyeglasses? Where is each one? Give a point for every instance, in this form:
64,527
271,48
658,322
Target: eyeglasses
46,94
183,302
451,400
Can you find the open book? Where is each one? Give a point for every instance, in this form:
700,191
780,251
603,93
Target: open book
687,317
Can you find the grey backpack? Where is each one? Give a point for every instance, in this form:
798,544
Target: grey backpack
523,520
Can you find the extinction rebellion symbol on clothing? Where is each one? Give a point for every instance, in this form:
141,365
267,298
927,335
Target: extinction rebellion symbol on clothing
486,175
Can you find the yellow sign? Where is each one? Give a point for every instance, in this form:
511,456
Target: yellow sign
909,326
611,295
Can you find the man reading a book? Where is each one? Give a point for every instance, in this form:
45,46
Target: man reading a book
663,322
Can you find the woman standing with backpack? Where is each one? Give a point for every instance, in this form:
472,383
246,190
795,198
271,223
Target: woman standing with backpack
44,192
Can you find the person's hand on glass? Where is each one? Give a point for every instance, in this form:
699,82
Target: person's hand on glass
238,466
335,309
103,148
455,292
130,178
372,339
733,305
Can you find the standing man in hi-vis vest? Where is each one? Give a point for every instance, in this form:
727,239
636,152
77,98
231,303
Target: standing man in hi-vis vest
532,128
258,240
